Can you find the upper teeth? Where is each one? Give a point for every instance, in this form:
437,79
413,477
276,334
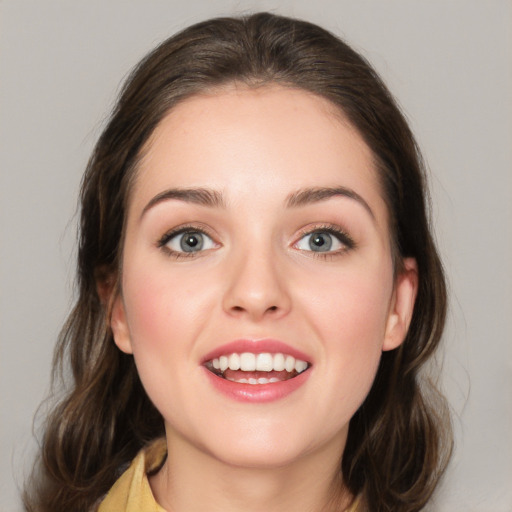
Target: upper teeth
264,362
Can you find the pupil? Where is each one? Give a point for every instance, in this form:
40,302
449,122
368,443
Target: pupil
191,242
320,242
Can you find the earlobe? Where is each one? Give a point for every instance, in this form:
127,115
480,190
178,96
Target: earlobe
119,325
402,307
107,287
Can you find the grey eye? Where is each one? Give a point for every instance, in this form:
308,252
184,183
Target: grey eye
190,241
319,241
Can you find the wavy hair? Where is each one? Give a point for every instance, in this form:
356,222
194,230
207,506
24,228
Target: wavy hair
399,440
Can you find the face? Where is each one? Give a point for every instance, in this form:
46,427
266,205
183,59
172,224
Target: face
257,282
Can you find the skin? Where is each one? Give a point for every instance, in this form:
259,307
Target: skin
258,278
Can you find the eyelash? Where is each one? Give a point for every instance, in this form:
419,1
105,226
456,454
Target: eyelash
164,240
331,229
342,236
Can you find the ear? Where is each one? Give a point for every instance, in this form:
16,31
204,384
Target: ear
119,325
105,283
402,305
107,287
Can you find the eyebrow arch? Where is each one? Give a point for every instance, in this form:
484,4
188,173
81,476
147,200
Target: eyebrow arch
313,195
201,196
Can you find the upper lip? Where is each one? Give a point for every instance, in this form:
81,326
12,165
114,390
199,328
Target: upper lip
255,346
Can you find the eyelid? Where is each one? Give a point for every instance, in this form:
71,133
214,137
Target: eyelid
338,232
333,229
184,228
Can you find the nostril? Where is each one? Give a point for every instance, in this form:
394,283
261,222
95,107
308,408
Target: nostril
240,309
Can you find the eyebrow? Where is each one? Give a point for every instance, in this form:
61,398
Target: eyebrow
214,199
201,196
314,195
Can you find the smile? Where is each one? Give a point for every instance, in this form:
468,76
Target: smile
257,370
262,368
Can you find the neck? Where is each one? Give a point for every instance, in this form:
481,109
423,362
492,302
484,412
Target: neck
192,480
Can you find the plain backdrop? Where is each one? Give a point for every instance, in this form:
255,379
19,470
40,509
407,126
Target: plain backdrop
449,62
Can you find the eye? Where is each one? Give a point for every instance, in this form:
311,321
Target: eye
325,240
187,241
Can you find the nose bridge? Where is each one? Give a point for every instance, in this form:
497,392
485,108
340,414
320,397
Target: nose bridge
256,285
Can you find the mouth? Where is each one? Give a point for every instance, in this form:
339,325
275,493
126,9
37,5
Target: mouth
257,368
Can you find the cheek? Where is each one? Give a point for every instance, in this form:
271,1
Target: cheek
163,326
353,307
149,312
158,305
349,314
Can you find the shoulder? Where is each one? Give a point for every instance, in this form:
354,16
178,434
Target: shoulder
131,492
356,505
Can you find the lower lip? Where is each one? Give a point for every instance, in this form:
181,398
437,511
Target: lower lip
257,393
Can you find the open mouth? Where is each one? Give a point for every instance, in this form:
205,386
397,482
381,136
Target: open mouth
261,368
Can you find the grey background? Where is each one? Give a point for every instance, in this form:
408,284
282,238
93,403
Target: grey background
449,62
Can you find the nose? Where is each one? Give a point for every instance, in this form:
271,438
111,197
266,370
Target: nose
257,287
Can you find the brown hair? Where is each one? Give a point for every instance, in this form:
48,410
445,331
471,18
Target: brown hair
399,440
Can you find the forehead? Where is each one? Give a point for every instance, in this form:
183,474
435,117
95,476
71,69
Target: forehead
239,138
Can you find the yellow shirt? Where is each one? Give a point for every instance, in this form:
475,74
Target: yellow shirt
132,493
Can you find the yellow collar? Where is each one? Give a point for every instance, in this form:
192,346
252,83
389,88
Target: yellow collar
131,492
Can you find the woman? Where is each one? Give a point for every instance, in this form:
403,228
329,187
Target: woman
259,289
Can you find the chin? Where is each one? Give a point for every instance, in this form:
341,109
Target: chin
256,456
265,444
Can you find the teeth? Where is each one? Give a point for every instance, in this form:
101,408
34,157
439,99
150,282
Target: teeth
223,363
247,362
300,366
234,362
263,362
261,380
279,362
289,364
